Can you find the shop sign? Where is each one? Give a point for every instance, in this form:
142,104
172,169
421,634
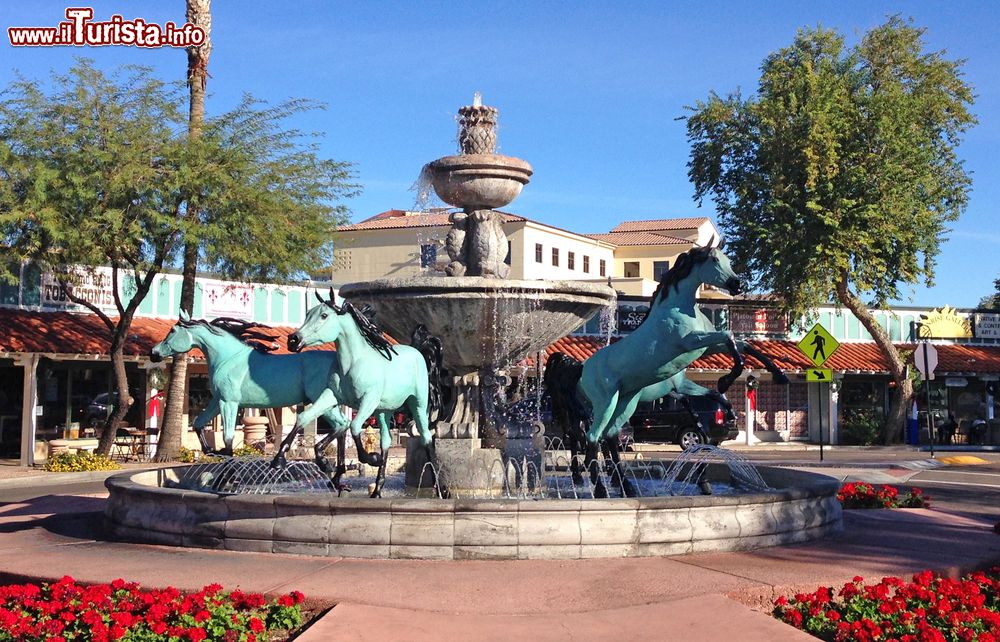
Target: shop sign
629,320
757,321
93,286
945,323
956,382
987,325
226,300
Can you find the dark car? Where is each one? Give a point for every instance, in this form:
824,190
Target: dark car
521,416
98,409
707,419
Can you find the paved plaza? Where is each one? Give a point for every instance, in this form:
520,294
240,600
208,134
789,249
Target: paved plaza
51,528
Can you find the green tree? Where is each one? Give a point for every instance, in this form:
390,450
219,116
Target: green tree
836,181
992,301
98,170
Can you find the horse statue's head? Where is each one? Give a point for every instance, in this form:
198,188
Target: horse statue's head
326,323
703,265
177,341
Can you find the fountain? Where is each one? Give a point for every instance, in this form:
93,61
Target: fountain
506,500
485,321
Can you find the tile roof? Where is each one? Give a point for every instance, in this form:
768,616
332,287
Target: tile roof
400,219
660,224
69,333
73,333
639,238
850,357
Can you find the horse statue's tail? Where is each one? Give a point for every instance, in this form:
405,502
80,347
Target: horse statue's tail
430,347
562,374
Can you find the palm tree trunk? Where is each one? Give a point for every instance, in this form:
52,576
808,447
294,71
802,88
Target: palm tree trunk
902,395
169,444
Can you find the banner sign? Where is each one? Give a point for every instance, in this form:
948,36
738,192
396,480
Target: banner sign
987,325
222,300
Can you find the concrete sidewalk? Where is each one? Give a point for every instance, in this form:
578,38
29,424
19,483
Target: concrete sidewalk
694,597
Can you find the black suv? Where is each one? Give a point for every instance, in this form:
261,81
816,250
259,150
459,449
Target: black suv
709,420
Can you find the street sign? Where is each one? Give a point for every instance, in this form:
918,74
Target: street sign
925,357
819,374
818,345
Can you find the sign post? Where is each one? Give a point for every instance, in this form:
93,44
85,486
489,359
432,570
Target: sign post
926,360
818,346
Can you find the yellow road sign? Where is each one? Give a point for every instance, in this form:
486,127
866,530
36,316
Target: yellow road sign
818,345
819,374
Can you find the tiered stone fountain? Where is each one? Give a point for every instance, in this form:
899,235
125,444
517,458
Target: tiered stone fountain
486,322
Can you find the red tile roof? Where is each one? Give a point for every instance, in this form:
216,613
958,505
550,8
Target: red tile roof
849,357
75,333
69,333
399,219
661,224
638,238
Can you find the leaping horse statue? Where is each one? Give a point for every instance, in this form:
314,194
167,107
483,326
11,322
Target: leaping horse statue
242,374
596,398
374,376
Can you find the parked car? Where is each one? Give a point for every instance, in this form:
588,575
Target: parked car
520,416
98,409
708,420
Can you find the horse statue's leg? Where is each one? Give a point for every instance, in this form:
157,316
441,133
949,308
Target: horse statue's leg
338,428
205,416
325,405
594,466
779,376
385,442
418,407
229,411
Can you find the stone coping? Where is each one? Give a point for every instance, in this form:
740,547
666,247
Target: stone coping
451,284
140,510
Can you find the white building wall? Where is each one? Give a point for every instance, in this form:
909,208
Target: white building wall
565,242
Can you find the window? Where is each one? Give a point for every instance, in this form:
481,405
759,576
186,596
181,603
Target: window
659,268
603,266
555,256
428,255
571,260
631,269
538,252
509,250
586,264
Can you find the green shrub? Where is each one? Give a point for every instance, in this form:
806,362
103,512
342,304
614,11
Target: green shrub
79,462
860,427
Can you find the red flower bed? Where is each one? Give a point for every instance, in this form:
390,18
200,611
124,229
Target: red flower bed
928,609
121,610
862,495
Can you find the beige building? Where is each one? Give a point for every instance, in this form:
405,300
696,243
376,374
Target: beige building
400,243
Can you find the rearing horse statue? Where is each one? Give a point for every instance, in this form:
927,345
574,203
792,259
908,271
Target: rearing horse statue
604,392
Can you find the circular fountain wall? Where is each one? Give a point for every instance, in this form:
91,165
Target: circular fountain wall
149,507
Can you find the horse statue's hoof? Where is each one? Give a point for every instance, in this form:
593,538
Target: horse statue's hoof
706,488
629,489
577,479
279,462
600,492
341,488
324,464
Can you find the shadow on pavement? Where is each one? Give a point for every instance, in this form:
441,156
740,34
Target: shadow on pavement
64,515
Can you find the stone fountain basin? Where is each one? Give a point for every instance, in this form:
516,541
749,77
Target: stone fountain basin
143,508
481,322
479,181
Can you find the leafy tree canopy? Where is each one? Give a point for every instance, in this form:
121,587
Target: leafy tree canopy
98,169
841,171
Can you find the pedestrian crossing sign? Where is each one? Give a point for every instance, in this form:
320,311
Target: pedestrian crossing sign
818,345
819,375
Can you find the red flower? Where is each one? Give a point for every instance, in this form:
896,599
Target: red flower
196,634
256,625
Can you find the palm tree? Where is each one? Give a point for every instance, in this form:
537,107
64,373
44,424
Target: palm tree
198,14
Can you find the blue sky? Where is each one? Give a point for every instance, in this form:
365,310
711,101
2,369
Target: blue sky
588,91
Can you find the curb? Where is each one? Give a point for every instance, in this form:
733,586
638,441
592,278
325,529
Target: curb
63,479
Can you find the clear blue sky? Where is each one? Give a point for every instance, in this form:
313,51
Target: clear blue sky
588,91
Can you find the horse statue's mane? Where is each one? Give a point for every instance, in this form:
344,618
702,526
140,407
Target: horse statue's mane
243,330
365,320
680,270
